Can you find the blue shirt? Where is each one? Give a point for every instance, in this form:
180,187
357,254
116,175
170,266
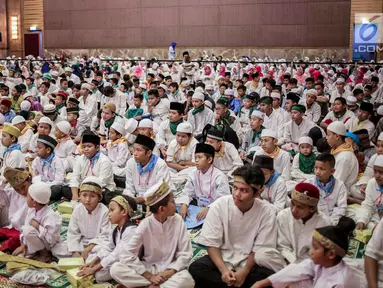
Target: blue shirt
9,116
235,105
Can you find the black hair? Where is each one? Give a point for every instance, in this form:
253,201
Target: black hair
126,77
125,86
140,96
368,86
108,90
99,73
309,79
168,78
63,80
200,84
77,86
287,76
252,174
164,202
357,91
320,77
115,80
129,83
375,79
46,84
47,146
117,73
294,81
242,87
322,146
327,158
154,92
223,84
319,84
70,84
341,100
174,84
29,78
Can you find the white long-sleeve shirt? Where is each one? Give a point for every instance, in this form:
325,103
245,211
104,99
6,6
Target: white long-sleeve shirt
370,205
236,233
338,276
65,150
346,167
354,125
13,159
110,252
227,159
294,236
164,135
85,229
276,194
200,120
102,169
276,122
333,205
293,132
171,237
160,112
89,106
211,185
119,99
49,229
52,174
25,139
374,250
118,154
136,185
17,206
281,162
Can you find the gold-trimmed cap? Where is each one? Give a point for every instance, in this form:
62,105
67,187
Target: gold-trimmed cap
11,130
156,193
306,194
328,244
124,204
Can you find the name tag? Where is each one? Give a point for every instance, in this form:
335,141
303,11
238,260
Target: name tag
203,202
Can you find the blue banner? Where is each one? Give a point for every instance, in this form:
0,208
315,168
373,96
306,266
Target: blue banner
365,42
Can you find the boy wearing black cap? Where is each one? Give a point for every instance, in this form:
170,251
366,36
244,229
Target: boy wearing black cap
168,128
291,99
325,268
204,185
224,118
82,117
226,157
47,167
77,127
91,163
362,120
145,169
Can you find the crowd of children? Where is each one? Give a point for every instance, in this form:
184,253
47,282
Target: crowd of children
284,163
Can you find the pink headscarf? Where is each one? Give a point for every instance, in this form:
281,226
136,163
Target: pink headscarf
137,71
222,70
205,69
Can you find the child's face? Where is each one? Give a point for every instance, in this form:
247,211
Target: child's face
30,201
43,129
174,116
137,102
71,117
241,92
28,82
268,144
255,123
201,161
145,131
89,149
182,138
76,92
6,139
140,154
116,213
42,150
59,100
58,133
378,174
305,149
196,103
170,209
89,200
222,89
107,114
113,134
247,103
64,85
214,142
172,89
317,253
379,147
359,97
323,170
299,210
351,142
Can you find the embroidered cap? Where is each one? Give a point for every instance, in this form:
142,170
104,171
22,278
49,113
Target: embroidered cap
11,130
156,193
306,194
40,192
92,184
110,106
124,203
145,141
73,110
47,140
16,177
333,238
